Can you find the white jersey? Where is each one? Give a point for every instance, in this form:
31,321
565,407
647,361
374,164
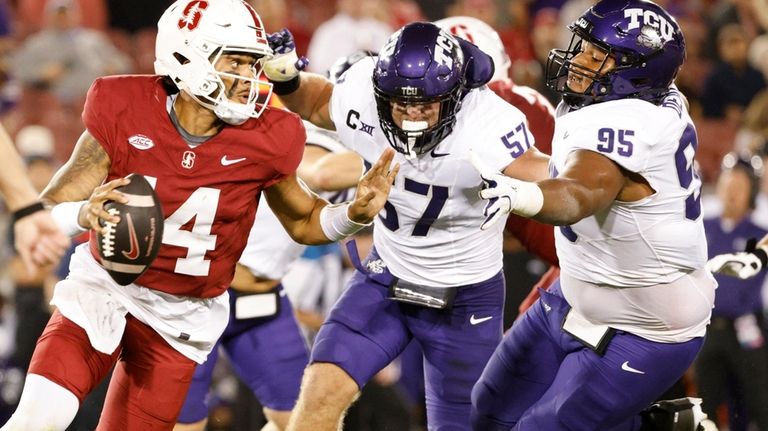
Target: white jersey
635,244
429,233
270,250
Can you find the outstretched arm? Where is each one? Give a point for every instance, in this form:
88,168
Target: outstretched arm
309,219
589,183
311,100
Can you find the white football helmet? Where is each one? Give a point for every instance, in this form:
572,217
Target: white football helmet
482,35
193,34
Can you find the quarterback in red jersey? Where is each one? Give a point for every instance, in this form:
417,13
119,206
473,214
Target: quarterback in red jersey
201,132
536,237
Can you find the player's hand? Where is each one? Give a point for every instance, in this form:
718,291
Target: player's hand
498,189
92,213
285,63
373,189
39,241
743,265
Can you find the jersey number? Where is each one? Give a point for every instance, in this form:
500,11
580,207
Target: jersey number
685,172
437,197
199,210
517,146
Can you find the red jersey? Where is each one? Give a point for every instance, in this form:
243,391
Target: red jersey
209,192
538,238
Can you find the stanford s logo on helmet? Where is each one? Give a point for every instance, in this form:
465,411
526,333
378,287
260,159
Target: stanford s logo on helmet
191,37
644,40
419,64
192,14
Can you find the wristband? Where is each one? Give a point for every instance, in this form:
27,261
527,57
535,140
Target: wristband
286,87
65,214
336,223
529,200
27,211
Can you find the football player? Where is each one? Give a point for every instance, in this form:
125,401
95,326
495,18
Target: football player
201,131
630,310
433,274
538,238
262,340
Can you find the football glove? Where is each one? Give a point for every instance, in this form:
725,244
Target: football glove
744,265
505,194
285,65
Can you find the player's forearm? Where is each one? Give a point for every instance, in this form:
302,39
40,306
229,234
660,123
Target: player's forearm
310,100
334,172
17,189
566,202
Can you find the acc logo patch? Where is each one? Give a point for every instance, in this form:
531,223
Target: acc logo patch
141,142
190,18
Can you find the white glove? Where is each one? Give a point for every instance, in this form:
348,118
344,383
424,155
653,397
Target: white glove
743,264
505,194
285,64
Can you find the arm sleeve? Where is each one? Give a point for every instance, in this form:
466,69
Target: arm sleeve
98,119
289,162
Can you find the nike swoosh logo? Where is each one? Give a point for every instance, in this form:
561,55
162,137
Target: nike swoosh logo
226,162
133,253
625,366
436,155
475,321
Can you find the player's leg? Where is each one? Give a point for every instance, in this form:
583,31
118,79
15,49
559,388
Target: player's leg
363,333
522,367
194,413
457,344
270,357
63,370
608,392
149,383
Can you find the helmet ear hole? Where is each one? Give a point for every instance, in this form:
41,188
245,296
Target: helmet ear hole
180,58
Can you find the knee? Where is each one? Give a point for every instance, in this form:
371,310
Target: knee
481,416
328,384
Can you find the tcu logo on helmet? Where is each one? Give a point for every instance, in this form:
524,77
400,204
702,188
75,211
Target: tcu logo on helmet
192,13
650,19
188,159
443,50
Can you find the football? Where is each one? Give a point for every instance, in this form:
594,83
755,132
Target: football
126,249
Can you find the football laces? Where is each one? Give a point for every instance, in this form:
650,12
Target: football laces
108,236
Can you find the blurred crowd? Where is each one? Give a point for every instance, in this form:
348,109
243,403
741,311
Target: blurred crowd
51,50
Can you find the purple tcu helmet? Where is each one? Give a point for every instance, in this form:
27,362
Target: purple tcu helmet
644,40
419,64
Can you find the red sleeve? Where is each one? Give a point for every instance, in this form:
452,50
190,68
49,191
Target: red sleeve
542,125
294,142
537,238
98,119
